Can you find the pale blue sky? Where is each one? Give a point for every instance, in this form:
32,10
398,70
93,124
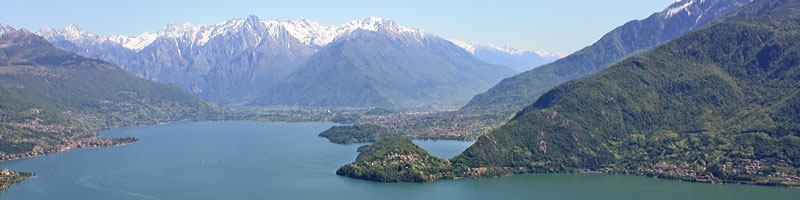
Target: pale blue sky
560,26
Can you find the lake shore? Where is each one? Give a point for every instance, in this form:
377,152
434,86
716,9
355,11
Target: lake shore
10,177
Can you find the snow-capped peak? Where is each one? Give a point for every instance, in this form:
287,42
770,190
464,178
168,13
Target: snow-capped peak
309,32
543,53
5,28
376,24
678,7
71,33
78,35
304,30
135,43
697,8
370,24
507,49
472,47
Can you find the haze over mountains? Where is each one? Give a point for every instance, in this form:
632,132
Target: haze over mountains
240,60
518,59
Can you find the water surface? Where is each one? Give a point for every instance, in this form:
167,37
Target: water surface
254,160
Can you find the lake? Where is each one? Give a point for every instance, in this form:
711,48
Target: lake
254,160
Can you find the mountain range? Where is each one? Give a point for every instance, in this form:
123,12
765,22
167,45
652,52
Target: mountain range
228,62
386,65
241,60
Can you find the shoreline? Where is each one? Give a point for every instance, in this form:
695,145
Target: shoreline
660,176
135,140
93,142
97,136
10,178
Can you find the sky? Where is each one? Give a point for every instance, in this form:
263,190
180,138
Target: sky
557,26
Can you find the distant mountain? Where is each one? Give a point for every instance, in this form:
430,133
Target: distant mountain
77,40
229,62
52,100
632,38
232,62
517,59
380,63
716,105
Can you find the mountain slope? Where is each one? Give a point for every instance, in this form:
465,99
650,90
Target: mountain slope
718,105
632,38
53,99
385,65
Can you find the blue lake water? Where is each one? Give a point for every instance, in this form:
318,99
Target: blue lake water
254,160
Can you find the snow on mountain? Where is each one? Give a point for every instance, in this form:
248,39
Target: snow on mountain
70,33
678,8
548,54
235,60
465,45
693,7
518,59
472,47
507,49
309,32
77,35
376,24
389,65
304,30
4,28
135,43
